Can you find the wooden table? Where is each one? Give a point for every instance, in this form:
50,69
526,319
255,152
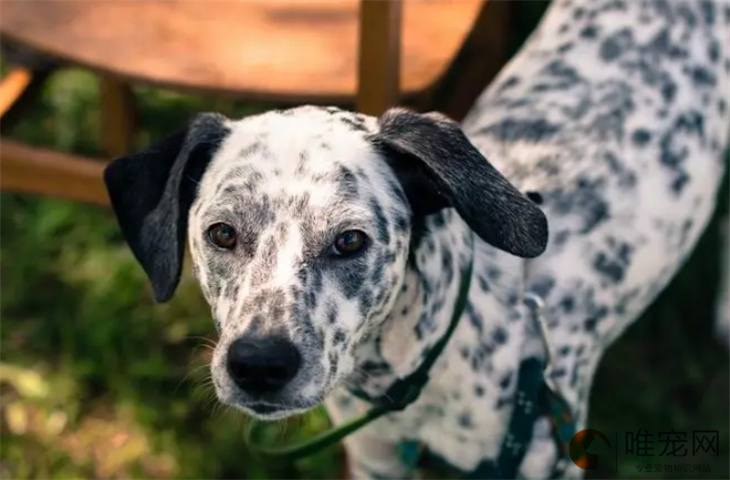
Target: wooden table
369,54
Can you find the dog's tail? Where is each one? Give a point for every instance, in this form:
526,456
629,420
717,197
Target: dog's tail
722,307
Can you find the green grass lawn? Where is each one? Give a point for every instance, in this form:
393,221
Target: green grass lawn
98,381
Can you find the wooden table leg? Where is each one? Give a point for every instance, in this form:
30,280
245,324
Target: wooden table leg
483,54
46,172
118,116
379,56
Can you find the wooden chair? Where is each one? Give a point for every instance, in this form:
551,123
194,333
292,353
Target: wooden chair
363,54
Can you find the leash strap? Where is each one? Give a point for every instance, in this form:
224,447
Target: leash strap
519,433
536,395
401,394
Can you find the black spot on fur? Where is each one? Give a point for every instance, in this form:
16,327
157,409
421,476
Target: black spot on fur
251,150
381,223
515,129
586,198
465,421
684,231
673,153
505,381
438,220
475,318
589,32
509,83
302,165
366,303
641,137
713,51
483,284
626,178
574,377
703,77
401,224
613,46
708,12
494,274
356,123
543,286
668,90
447,265
568,304
567,46
351,277
500,336
590,323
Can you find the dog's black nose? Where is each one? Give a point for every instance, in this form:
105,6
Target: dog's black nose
262,364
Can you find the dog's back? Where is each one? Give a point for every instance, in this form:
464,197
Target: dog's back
617,113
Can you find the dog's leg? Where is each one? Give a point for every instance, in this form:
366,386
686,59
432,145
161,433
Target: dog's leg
369,454
722,308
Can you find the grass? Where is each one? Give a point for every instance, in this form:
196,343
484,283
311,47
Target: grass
98,381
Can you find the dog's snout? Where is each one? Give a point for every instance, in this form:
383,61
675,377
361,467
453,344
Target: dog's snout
262,364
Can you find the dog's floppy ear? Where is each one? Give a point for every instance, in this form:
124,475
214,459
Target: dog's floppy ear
151,193
439,167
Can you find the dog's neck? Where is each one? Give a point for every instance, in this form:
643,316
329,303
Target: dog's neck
426,302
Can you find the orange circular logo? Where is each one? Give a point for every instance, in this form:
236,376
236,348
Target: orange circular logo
579,445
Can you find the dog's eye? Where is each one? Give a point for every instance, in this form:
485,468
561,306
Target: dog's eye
222,235
349,243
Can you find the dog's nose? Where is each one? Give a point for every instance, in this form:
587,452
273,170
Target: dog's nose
263,364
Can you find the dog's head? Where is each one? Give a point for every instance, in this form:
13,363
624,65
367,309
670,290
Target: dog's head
299,227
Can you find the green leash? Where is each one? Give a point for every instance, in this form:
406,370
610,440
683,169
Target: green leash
401,394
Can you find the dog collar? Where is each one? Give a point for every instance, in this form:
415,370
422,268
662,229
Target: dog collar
400,395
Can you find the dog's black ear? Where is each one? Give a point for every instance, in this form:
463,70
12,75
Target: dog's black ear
151,193
439,167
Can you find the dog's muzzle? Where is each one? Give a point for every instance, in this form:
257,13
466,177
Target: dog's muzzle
262,365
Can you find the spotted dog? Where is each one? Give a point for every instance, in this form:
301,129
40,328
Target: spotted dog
329,244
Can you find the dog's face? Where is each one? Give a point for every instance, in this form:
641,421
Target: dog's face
299,238
299,227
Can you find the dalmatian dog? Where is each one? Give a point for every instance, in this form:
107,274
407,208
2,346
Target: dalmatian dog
330,244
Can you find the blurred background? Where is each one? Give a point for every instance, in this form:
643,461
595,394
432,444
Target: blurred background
97,381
